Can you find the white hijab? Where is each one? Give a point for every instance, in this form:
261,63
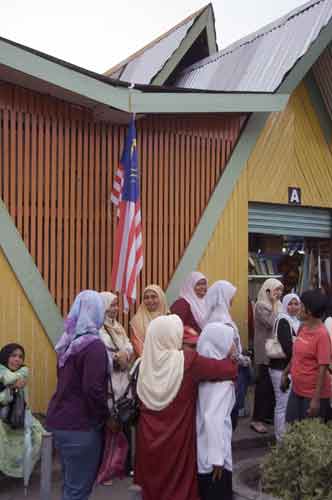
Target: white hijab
292,320
263,297
187,292
215,341
218,302
162,366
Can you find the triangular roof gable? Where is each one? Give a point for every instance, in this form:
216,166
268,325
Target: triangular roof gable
155,62
269,60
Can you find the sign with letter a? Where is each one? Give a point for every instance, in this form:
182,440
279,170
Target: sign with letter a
294,196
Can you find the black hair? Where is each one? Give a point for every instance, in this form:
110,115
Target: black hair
7,351
315,302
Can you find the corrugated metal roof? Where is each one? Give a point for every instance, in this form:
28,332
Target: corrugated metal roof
260,61
142,66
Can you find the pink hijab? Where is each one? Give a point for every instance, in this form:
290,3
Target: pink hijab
187,292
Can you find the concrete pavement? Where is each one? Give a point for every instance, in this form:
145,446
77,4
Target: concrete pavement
246,444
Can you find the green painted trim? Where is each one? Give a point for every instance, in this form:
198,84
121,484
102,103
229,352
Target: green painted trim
319,105
201,102
29,277
211,32
63,77
218,201
301,68
203,22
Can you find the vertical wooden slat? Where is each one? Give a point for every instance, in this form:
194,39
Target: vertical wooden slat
60,189
171,221
194,184
142,152
6,156
13,167
47,194
40,193
91,213
27,179
85,201
109,226
166,221
74,187
97,208
19,179
103,207
161,190
78,208
54,208
66,214
207,169
33,173
189,186
149,208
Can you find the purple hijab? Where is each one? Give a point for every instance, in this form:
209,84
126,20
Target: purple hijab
82,325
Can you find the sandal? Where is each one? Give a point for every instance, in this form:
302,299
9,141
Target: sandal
258,427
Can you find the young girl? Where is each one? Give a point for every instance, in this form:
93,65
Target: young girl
214,425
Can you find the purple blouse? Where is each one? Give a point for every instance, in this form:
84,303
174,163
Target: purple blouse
80,400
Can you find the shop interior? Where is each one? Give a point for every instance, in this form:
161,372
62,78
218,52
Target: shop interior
300,263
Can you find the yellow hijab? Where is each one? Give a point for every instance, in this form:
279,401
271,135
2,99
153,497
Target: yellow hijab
143,317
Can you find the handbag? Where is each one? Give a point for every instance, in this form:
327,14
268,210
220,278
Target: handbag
273,347
16,411
125,409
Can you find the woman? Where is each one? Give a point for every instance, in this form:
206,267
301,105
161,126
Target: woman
190,306
311,381
167,388
214,424
267,307
285,329
120,352
219,299
13,377
78,410
154,304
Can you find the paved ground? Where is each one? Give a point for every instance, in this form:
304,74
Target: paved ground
246,444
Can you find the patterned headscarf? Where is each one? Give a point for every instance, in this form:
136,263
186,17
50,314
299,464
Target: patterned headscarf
82,325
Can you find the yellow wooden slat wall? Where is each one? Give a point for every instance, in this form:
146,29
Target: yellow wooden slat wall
227,253
290,151
18,323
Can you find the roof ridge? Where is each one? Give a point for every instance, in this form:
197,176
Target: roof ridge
122,63
251,37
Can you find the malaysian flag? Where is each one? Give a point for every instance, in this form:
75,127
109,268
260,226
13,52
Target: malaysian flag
128,257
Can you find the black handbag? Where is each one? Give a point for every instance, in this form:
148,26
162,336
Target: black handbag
125,410
16,412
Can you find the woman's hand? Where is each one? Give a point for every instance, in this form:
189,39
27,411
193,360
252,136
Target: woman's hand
122,358
313,410
285,382
19,384
217,472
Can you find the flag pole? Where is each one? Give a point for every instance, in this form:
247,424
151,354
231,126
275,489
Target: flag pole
131,88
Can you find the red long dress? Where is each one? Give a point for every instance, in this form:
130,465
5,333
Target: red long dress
166,466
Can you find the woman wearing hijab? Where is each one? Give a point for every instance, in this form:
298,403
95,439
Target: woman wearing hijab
167,387
154,304
267,307
214,424
13,378
190,306
285,330
78,410
219,299
120,352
